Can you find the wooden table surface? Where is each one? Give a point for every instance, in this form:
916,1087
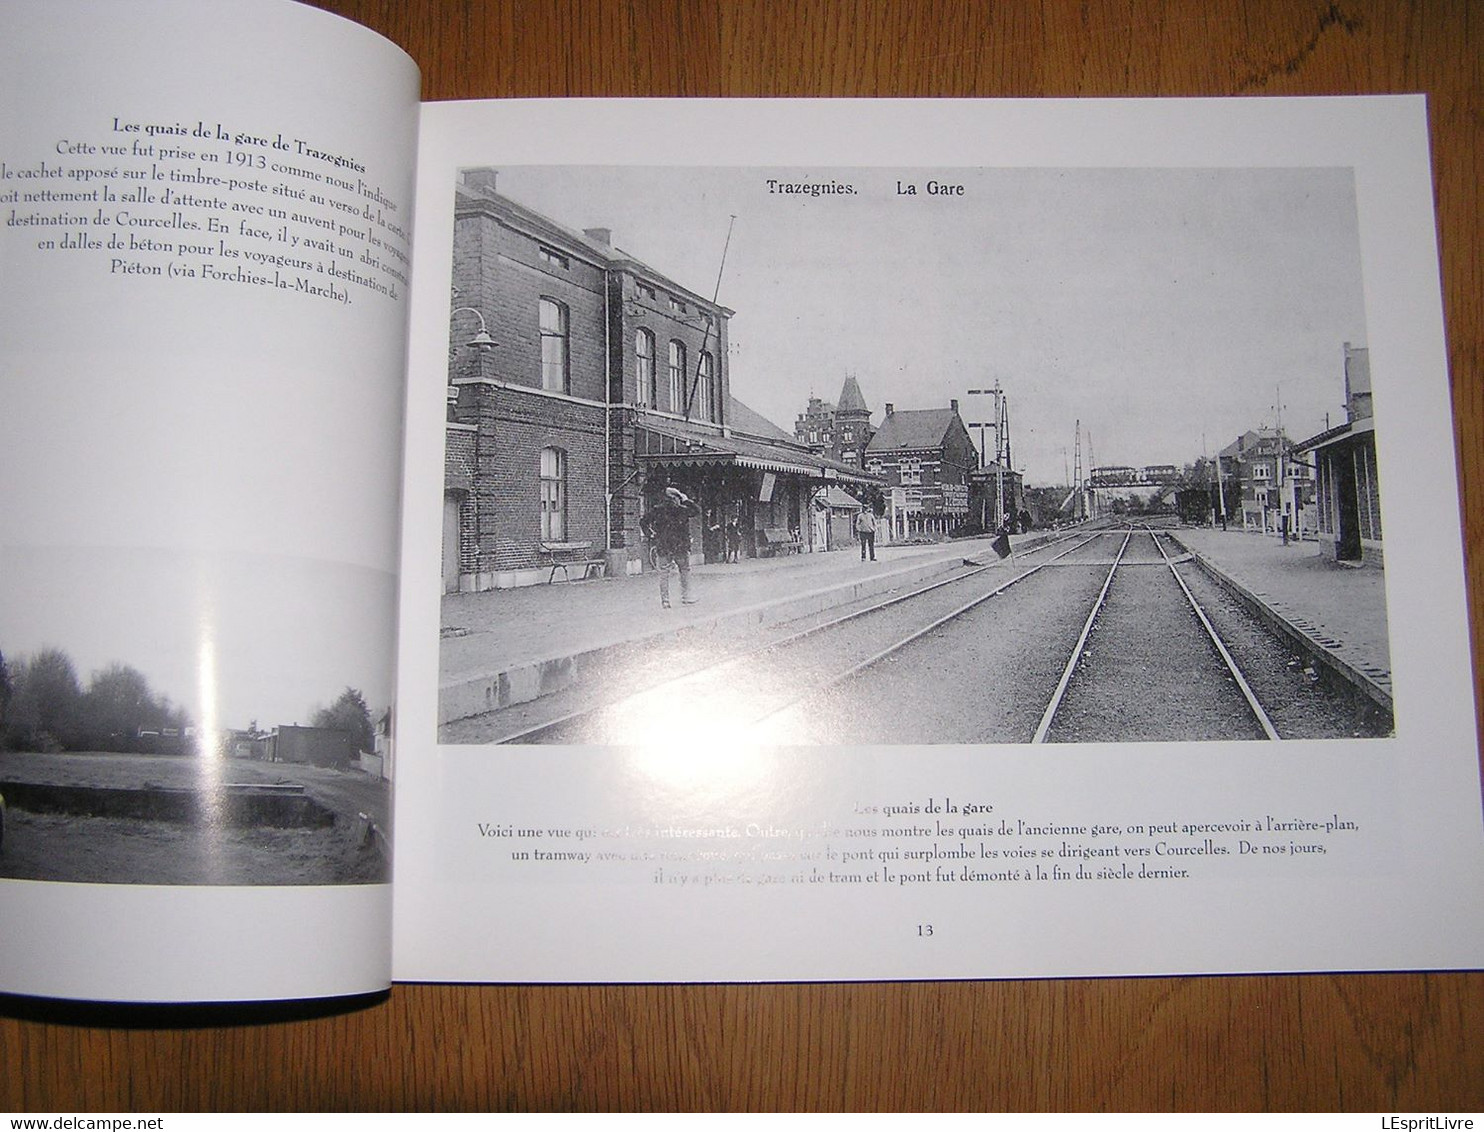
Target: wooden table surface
1318,1042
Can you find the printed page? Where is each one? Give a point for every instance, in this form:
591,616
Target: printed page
203,272
882,540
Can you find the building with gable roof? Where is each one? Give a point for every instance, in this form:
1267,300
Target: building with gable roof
926,457
1276,484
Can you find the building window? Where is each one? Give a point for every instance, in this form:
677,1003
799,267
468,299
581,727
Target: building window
554,258
553,495
645,291
911,471
676,305
556,356
644,367
707,387
677,374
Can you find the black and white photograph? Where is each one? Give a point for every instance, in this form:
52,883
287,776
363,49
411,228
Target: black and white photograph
904,456
171,719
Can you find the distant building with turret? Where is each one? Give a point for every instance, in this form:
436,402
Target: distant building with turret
838,431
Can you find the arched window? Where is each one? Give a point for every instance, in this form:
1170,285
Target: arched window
553,495
706,388
677,376
645,392
556,355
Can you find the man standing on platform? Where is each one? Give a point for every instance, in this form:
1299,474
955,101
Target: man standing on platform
667,526
865,527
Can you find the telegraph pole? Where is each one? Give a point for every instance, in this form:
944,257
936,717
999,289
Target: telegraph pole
690,392
999,430
1001,453
1080,512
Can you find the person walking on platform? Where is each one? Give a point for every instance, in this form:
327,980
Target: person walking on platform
667,526
865,527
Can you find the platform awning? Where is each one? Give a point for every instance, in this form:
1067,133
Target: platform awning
1337,435
674,446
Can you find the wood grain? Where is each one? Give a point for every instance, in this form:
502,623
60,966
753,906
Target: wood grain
1320,1042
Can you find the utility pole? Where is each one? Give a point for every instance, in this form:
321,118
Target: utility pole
1281,445
1001,454
690,392
1092,463
1221,490
1080,511
1001,442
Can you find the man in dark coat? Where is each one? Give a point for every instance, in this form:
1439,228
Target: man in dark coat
865,529
667,527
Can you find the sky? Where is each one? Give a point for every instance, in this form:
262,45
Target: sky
233,638
1166,310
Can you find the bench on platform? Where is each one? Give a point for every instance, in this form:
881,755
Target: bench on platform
778,540
565,555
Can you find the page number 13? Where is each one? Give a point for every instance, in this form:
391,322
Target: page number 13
924,930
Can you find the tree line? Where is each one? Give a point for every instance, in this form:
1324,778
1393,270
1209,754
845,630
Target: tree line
44,706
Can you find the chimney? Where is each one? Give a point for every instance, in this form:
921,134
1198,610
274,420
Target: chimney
953,404
603,236
890,408
480,179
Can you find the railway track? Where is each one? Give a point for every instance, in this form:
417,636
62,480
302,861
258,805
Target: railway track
759,682
1216,687
1097,637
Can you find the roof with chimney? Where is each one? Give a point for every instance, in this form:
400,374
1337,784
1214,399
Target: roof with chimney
476,192
913,429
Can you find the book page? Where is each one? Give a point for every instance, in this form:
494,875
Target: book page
204,232
881,540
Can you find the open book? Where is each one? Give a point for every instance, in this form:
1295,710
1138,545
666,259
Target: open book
695,540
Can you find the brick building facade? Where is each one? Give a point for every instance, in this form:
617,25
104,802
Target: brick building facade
926,457
582,382
840,430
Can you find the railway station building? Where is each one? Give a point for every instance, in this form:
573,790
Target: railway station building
581,383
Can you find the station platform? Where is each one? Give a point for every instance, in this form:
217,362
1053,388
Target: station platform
1337,610
503,647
